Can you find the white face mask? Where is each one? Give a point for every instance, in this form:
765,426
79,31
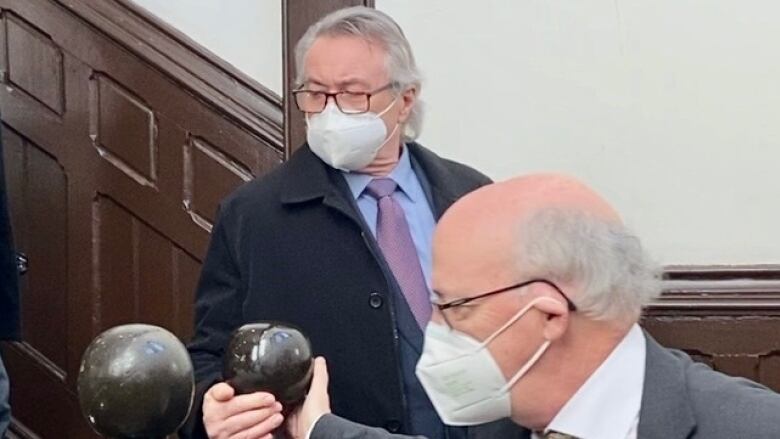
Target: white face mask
349,142
462,379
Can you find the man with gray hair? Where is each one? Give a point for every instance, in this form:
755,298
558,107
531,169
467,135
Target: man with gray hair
539,290
336,241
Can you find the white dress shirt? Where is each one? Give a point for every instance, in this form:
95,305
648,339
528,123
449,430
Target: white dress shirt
607,405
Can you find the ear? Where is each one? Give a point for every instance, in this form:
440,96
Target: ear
557,318
408,98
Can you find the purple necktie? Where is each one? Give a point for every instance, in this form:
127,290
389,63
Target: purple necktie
395,241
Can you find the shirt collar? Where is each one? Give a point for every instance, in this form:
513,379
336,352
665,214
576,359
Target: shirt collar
402,174
607,405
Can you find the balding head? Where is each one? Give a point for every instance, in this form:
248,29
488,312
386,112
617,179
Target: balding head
544,225
499,205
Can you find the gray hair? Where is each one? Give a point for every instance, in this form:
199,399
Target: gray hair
377,27
617,276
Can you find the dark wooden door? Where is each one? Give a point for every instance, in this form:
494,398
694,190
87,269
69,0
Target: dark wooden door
115,169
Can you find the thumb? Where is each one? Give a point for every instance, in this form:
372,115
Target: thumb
319,380
222,392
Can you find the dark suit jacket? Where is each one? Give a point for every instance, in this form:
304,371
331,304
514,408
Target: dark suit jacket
291,247
681,400
9,283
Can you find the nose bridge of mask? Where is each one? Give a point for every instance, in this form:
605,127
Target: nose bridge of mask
327,112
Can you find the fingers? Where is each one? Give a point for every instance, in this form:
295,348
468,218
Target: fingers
317,401
319,380
245,420
251,401
226,414
220,392
263,429
216,409
292,424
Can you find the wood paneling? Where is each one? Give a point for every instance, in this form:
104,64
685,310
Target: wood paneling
138,271
38,187
117,154
33,63
725,316
123,129
208,174
235,94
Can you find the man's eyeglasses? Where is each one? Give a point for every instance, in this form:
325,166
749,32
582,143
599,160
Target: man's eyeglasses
459,302
315,101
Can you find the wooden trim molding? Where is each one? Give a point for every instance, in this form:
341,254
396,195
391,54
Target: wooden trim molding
17,430
719,290
297,16
237,95
25,349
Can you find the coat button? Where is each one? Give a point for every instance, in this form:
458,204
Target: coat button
22,263
393,426
375,300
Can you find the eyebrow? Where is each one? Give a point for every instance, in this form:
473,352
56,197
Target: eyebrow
437,298
340,84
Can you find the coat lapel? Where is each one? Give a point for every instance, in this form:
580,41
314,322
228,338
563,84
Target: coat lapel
437,181
314,180
666,412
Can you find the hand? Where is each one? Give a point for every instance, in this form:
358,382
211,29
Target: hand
250,416
317,403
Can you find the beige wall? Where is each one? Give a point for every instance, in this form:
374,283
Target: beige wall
671,108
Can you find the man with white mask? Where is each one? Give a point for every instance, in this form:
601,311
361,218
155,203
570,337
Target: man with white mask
336,241
539,290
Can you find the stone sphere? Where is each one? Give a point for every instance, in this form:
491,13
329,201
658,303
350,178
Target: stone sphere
269,357
136,381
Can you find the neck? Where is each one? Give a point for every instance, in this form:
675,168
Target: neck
386,159
568,364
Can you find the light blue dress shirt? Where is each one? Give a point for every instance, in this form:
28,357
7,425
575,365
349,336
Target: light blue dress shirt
411,197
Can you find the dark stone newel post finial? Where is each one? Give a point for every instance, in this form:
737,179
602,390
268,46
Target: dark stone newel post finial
270,357
136,381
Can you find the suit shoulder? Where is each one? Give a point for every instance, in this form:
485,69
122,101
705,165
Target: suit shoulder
457,171
724,403
467,172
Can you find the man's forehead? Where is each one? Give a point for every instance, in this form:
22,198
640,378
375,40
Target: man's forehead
464,265
344,58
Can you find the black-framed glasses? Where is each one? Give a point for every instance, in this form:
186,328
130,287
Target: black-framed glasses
459,302
348,102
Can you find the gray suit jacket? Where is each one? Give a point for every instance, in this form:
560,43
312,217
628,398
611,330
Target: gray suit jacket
682,399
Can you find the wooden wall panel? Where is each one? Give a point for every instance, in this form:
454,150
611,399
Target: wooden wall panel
117,156
138,271
742,345
40,200
208,175
33,63
725,316
124,129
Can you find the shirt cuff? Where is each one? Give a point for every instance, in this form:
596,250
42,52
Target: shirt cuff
313,424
